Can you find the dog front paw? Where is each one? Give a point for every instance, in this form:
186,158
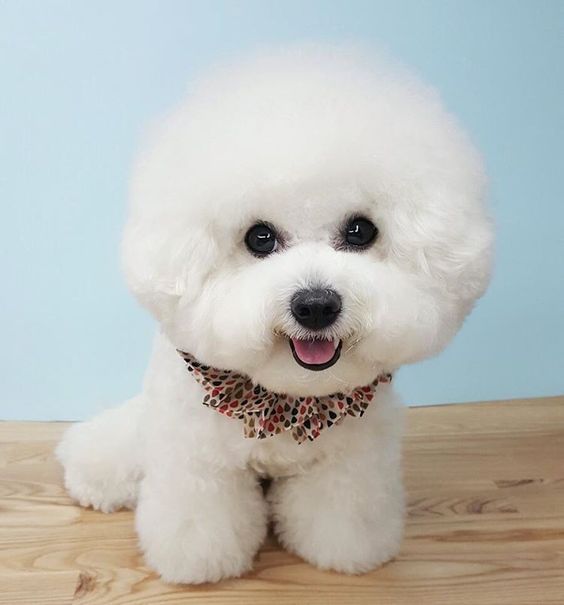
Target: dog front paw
200,537
338,533
192,558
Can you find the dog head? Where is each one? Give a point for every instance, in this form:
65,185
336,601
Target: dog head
309,219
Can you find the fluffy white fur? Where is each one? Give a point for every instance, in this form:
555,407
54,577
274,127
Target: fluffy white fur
302,139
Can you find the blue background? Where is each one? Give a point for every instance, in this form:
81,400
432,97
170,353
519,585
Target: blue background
79,80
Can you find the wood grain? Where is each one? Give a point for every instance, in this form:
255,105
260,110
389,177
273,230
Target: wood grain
485,524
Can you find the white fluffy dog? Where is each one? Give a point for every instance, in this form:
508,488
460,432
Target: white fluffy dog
303,225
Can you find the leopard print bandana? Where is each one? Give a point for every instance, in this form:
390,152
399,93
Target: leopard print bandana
265,413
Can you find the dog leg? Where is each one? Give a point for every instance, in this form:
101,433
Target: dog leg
344,514
197,527
102,458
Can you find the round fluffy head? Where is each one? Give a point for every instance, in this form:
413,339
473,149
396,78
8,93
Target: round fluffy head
264,184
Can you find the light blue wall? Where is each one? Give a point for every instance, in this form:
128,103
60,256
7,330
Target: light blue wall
79,79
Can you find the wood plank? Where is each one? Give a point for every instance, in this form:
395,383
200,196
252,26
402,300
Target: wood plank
485,524
28,587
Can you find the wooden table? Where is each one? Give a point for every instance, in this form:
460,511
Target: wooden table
485,524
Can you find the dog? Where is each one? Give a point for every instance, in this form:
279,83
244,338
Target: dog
304,224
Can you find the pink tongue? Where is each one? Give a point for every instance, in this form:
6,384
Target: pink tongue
314,352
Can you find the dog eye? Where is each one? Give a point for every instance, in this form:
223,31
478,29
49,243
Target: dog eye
360,232
261,239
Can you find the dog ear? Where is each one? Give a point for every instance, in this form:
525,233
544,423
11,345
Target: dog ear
152,264
164,259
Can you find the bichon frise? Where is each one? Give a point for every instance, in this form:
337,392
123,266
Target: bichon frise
303,225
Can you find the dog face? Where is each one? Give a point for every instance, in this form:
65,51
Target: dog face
311,220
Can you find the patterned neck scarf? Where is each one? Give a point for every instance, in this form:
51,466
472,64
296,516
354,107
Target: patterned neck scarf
265,413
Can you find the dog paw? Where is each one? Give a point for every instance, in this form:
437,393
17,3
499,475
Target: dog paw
350,548
192,558
89,487
101,463
344,539
202,536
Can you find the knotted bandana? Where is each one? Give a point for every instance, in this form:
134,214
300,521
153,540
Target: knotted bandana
265,413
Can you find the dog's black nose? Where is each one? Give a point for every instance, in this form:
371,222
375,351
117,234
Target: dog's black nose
316,308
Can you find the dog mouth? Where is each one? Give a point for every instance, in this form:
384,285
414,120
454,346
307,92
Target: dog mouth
317,354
